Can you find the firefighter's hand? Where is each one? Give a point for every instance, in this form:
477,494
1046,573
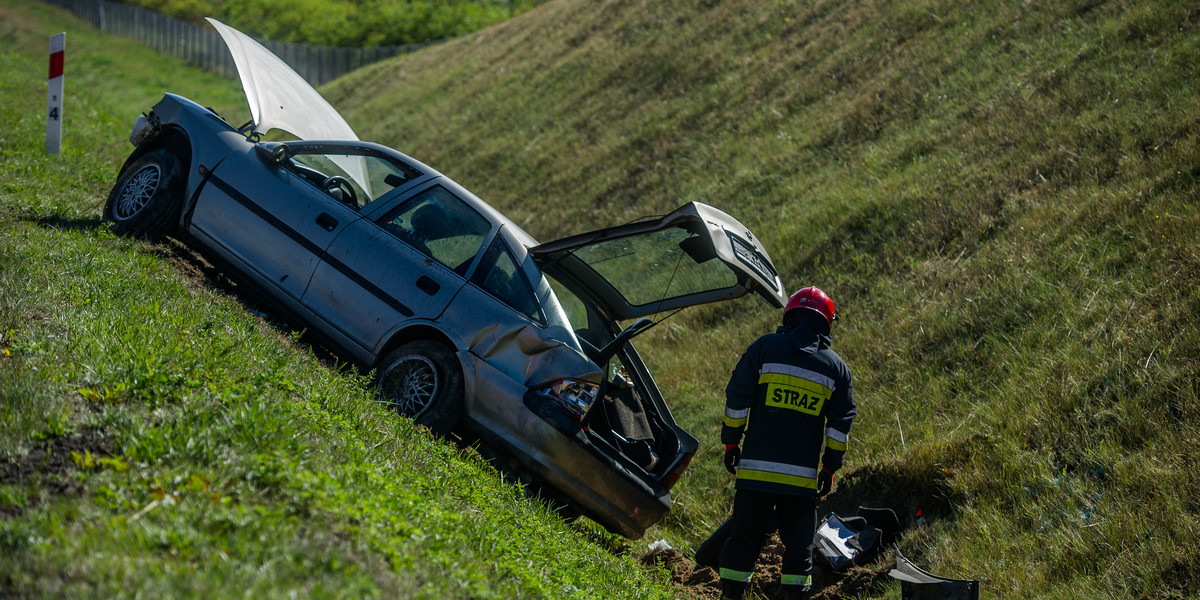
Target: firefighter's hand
732,455
824,482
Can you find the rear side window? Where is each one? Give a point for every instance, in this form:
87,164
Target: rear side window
441,226
500,275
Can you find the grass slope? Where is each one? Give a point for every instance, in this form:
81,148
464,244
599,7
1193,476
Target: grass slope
1000,196
159,439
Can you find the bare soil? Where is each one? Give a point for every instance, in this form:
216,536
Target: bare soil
696,581
50,465
910,492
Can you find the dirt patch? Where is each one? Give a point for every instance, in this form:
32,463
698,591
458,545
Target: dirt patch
909,492
199,272
52,463
697,581
689,577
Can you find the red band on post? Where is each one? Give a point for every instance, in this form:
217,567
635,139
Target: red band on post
56,64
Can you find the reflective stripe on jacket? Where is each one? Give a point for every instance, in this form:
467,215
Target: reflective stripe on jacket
790,394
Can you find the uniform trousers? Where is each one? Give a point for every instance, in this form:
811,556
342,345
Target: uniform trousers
754,513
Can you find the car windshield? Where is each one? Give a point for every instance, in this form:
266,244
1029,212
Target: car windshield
648,268
370,176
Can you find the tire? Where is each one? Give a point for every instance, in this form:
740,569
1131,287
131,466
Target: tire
148,196
421,380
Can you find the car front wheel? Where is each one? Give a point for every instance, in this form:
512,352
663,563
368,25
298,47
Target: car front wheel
421,380
147,198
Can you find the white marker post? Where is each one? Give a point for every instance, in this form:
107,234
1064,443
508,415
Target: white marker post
54,94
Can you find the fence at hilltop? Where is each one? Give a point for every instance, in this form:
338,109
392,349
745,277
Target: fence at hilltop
203,46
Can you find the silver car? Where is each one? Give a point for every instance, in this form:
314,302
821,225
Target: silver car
470,325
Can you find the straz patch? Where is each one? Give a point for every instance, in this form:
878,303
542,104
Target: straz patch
795,393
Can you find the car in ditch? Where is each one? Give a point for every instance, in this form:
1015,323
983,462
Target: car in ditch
469,324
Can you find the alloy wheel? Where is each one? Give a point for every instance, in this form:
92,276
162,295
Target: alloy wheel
137,191
411,384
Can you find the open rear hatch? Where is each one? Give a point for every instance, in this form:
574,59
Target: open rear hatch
694,255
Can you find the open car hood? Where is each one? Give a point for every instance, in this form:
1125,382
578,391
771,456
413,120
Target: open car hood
279,98
694,255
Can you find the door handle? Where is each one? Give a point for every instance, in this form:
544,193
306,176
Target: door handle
327,222
427,285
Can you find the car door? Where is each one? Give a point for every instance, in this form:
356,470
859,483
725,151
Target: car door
694,255
408,263
272,225
277,207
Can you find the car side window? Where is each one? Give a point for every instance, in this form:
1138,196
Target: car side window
353,179
573,308
441,226
501,276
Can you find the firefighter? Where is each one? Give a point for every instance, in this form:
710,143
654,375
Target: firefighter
789,394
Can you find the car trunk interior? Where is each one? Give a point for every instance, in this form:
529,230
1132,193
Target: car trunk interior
628,421
627,425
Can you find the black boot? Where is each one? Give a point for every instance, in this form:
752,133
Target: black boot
803,594
732,590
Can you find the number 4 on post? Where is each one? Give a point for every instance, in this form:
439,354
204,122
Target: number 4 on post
54,93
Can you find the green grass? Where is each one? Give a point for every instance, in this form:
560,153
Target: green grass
160,439
1000,197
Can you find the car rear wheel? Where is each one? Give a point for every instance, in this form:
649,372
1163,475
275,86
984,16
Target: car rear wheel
147,198
422,381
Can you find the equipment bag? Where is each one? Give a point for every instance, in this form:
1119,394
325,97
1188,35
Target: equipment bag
842,542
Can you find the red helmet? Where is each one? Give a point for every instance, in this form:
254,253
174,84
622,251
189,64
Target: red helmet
812,298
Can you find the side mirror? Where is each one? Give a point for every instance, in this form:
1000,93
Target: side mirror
274,152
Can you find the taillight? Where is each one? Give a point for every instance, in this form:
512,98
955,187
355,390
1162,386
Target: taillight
575,395
673,477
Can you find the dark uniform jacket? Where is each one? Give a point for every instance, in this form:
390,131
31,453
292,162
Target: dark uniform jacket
789,394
